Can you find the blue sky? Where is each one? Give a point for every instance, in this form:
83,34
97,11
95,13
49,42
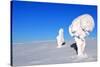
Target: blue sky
35,21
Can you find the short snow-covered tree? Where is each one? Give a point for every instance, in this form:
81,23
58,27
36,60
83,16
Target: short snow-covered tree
60,38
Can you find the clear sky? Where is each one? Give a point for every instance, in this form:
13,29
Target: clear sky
35,21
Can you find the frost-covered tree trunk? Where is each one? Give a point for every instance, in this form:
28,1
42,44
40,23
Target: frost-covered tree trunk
79,29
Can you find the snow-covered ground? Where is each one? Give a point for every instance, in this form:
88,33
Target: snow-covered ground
45,52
